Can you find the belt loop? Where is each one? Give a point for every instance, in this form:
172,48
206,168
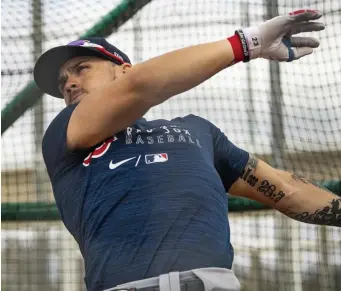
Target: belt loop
164,282
169,282
174,281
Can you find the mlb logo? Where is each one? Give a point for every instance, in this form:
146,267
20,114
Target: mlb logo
156,158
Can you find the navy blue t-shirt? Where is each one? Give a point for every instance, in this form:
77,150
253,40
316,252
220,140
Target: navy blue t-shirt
149,200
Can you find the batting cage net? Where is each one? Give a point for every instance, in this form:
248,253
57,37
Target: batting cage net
287,114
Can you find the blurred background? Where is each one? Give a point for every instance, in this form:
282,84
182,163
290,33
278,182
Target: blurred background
288,114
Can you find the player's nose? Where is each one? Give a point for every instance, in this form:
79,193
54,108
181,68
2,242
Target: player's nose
71,85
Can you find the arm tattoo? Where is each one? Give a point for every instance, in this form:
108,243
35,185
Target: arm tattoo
329,215
252,162
247,173
305,181
299,178
270,191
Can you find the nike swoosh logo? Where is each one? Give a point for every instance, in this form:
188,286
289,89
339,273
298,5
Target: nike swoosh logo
115,165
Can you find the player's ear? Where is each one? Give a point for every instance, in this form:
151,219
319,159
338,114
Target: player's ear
125,67
119,70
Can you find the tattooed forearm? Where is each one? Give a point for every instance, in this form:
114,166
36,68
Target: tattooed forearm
329,215
305,181
264,186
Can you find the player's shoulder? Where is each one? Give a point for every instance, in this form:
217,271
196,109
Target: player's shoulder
192,118
199,121
62,117
56,130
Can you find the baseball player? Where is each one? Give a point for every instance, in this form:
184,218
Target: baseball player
146,200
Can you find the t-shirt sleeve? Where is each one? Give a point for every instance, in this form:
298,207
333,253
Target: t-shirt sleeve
54,147
229,160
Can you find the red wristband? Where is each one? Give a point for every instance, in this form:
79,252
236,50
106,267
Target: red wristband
237,48
240,52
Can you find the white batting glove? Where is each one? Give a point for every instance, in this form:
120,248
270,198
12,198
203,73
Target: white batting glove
273,39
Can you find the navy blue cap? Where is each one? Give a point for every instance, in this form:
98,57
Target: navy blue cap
46,69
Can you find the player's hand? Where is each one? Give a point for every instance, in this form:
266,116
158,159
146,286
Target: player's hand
273,39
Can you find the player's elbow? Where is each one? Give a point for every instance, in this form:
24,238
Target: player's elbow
290,194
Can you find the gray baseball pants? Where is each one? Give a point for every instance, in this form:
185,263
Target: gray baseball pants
204,279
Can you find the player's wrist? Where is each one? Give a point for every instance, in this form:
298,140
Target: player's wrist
246,44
